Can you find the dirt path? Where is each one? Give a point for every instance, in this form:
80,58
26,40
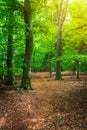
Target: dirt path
52,105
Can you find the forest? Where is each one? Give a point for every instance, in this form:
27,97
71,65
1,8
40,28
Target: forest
43,65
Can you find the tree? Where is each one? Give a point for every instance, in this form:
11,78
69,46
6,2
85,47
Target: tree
8,8
26,80
74,36
10,74
61,14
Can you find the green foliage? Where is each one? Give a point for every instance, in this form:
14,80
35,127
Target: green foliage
45,30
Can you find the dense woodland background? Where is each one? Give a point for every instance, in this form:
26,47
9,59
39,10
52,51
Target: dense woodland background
42,35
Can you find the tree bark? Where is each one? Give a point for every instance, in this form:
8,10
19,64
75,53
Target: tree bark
61,18
78,67
26,77
59,53
3,77
10,74
50,63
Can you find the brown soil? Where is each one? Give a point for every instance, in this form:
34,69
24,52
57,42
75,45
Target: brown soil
52,105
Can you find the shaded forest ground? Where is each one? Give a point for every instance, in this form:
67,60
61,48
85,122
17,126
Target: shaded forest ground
52,105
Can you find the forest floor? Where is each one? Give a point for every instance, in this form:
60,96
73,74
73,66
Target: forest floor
52,105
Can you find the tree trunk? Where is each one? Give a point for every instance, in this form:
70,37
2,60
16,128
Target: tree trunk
50,69
59,53
61,14
50,65
26,78
3,77
10,75
78,70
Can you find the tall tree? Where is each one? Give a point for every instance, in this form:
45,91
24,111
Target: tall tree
10,27
61,15
26,81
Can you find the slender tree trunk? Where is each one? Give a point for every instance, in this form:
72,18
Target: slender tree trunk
78,70
61,14
50,69
3,77
26,78
50,62
10,74
59,53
